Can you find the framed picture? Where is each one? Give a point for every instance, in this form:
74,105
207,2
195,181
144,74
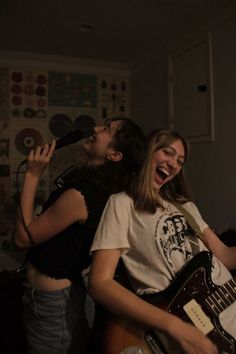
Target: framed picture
190,90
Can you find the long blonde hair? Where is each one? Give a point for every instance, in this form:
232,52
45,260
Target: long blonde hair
141,189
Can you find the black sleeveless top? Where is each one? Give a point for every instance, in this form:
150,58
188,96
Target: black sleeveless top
67,254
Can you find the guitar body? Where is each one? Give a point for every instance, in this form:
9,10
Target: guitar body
190,293
112,334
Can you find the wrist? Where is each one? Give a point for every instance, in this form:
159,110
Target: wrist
31,175
170,324
31,180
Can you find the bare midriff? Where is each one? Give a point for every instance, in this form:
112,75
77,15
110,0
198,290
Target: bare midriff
43,282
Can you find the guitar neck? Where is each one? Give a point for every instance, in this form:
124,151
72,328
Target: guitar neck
223,297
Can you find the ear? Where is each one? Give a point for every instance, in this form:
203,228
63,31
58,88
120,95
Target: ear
115,156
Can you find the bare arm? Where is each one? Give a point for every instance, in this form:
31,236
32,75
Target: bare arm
227,255
126,304
70,207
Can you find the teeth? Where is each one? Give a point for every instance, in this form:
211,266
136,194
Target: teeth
164,170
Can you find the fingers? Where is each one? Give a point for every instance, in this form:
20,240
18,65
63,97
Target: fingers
42,153
199,344
52,148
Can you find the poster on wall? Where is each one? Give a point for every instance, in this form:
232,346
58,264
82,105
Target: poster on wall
72,90
42,191
4,142
6,205
72,103
62,120
4,94
28,94
113,97
25,137
6,208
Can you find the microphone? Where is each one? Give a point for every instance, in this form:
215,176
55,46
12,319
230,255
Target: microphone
71,138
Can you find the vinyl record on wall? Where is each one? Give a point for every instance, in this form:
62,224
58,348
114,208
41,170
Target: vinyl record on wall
28,139
60,125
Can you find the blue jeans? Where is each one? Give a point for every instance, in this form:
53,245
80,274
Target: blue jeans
56,322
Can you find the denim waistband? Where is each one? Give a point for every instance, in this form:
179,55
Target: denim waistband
74,288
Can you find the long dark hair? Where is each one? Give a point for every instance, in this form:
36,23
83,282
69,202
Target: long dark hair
141,188
115,176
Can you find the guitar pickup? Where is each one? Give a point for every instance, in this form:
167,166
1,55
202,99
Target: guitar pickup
198,317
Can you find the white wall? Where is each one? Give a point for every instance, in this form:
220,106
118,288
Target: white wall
211,169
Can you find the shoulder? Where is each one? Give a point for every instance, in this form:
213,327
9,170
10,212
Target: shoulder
120,198
71,196
119,204
191,207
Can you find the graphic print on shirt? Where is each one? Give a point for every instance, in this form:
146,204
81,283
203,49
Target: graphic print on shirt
171,238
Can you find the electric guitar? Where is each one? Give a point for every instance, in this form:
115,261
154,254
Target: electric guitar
192,296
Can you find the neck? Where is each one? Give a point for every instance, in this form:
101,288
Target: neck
95,163
91,161
157,191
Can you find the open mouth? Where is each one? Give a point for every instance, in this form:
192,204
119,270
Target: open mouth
162,173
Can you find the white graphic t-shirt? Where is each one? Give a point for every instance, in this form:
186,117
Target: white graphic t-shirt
154,246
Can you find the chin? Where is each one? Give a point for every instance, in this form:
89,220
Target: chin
157,186
86,145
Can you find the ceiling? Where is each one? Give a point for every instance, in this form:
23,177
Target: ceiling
123,30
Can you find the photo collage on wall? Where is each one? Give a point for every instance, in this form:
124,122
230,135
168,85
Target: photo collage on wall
28,109
5,204
113,97
39,106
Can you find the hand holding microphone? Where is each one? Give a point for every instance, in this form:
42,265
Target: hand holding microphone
39,158
71,138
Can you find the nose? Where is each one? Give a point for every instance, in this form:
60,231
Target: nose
172,163
99,128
